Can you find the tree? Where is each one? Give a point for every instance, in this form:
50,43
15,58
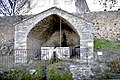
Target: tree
14,7
107,3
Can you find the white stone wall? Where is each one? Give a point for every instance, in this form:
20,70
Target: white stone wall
41,5
62,53
71,6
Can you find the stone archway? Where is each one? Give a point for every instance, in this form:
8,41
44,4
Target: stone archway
80,26
52,31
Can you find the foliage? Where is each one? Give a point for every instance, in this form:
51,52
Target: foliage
114,70
58,72
22,74
27,76
40,72
55,71
13,74
115,66
117,46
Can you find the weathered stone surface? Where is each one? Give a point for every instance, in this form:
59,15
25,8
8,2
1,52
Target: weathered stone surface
48,24
106,24
80,72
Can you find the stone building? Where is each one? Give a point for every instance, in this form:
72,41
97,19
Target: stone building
54,28
59,25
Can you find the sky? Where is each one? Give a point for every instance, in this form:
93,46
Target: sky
95,6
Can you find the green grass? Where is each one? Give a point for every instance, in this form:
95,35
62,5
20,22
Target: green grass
102,44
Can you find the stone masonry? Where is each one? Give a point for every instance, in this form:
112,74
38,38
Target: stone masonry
81,26
106,25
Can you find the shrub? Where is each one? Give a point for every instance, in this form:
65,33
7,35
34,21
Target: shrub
58,72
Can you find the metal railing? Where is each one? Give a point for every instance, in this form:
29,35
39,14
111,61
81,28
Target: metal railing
8,60
18,55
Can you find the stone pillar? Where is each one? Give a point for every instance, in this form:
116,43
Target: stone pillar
20,45
86,44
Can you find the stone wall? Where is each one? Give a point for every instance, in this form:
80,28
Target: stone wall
79,25
106,24
7,30
6,36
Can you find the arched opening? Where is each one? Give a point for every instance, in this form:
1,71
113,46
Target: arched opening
52,31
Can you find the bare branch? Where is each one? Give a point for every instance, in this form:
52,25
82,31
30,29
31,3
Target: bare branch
13,7
4,6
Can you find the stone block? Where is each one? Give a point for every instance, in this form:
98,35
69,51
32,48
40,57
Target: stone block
62,52
46,53
99,53
20,56
90,44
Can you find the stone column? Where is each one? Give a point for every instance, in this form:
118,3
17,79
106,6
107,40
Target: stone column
20,45
86,44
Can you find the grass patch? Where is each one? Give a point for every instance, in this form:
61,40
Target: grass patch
102,44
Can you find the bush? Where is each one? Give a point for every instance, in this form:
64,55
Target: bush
22,74
114,70
40,71
55,71
58,72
